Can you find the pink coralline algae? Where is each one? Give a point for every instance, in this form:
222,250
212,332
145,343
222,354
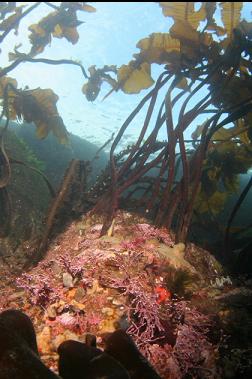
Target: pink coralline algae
193,351
170,334
133,244
39,288
68,264
79,322
67,320
145,232
148,231
142,309
162,359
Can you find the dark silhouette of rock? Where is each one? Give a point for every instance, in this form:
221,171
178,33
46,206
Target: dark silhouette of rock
18,321
105,366
74,358
83,360
121,346
18,349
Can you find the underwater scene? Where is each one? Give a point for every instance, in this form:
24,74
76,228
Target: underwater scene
126,190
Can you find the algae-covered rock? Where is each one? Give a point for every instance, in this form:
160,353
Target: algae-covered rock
206,265
175,256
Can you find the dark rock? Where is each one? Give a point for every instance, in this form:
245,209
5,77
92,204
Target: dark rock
240,296
18,349
78,360
105,366
121,347
206,265
74,358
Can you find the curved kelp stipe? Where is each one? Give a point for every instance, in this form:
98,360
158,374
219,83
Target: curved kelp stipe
5,213
5,200
47,182
234,212
5,170
70,192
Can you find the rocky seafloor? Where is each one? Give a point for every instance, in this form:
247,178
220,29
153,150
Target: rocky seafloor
185,314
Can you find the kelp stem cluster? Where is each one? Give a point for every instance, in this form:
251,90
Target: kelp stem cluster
170,199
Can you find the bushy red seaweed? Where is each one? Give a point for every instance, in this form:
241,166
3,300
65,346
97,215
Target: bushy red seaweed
39,287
